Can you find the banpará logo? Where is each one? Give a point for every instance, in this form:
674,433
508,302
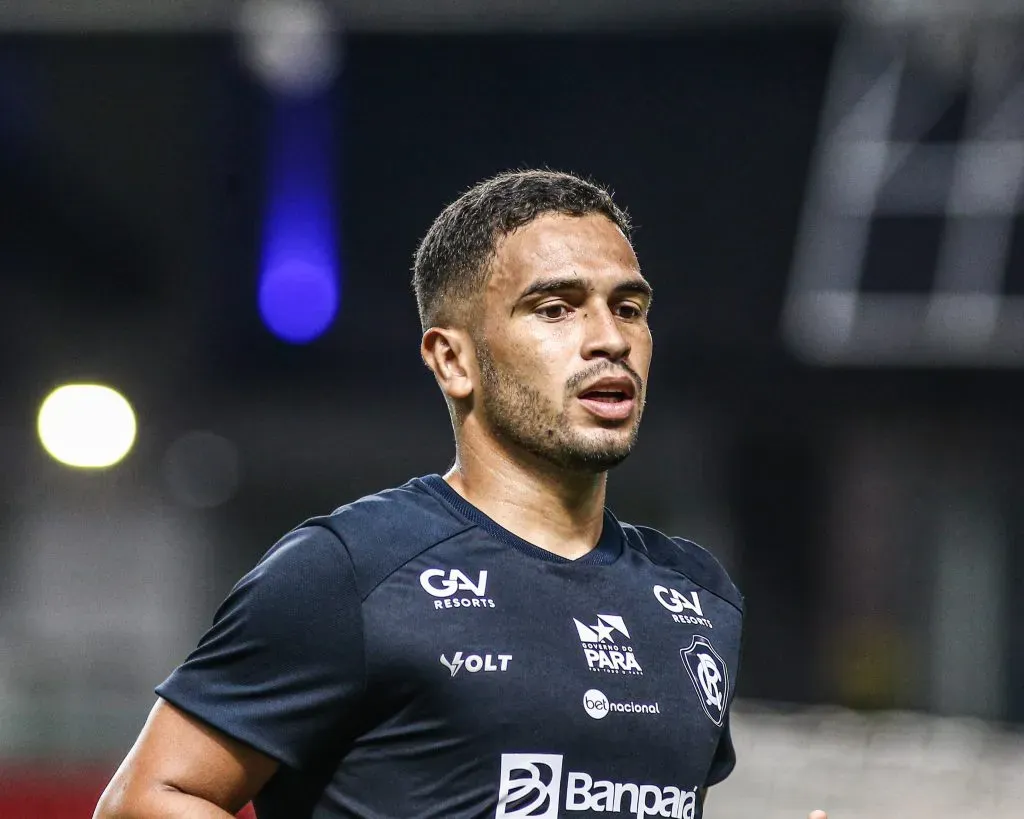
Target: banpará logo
530,788
710,676
598,706
604,650
441,584
677,603
476,662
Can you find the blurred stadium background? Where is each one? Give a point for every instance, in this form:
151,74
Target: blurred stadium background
209,208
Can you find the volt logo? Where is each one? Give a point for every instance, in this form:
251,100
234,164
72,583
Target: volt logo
677,603
476,662
446,585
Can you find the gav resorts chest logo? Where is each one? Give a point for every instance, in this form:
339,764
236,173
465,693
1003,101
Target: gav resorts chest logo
598,706
604,646
531,788
678,603
446,585
710,676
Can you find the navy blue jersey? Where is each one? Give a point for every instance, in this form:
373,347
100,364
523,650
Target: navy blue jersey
408,657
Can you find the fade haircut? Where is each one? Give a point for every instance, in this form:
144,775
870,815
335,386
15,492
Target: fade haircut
453,260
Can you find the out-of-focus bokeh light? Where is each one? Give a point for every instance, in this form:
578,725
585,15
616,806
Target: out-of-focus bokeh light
289,44
298,299
300,281
86,425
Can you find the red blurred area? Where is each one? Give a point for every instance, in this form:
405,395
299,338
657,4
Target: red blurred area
56,793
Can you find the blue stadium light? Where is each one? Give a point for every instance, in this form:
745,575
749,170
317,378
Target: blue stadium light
300,282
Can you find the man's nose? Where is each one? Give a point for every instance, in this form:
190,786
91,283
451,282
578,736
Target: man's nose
603,335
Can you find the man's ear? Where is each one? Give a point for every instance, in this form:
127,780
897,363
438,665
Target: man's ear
450,356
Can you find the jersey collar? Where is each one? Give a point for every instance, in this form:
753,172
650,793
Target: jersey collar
608,549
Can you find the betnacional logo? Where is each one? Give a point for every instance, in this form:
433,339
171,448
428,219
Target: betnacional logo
454,589
598,706
474,663
679,604
605,647
531,788
710,676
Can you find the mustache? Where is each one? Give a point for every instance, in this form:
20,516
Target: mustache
606,368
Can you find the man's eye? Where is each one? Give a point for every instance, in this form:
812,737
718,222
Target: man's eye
629,311
553,311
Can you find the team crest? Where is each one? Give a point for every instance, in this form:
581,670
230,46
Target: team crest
710,677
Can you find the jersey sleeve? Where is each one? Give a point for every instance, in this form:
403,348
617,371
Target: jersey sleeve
282,668
725,757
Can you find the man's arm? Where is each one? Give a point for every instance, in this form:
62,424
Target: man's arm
277,680
181,767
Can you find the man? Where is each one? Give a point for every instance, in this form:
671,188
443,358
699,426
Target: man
493,643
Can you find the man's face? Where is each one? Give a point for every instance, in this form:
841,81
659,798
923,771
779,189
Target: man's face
563,342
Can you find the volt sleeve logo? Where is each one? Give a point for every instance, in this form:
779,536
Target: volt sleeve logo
476,662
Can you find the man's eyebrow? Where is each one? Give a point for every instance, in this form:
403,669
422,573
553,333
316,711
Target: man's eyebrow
578,283
640,286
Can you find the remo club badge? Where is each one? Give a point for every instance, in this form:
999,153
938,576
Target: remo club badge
710,676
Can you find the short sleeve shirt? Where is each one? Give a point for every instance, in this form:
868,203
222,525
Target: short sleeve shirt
407,656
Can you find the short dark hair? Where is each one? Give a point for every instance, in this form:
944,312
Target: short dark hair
454,256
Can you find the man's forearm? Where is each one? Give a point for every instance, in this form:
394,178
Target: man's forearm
162,803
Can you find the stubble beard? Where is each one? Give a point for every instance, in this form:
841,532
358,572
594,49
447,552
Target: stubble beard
521,415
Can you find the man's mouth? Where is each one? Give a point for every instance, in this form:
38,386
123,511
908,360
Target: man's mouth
610,398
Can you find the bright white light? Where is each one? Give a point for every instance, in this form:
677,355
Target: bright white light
86,425
289,44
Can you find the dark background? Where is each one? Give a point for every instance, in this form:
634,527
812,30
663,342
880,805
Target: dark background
860,508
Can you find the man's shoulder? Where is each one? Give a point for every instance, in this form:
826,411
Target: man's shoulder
687,558
384,531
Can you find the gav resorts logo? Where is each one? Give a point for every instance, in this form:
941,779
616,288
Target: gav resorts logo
604,646
598,706
445,585
678,603
531,788
710,676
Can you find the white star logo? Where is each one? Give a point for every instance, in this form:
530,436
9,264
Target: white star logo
603,631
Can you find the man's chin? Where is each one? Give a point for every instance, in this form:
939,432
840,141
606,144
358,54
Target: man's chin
597,459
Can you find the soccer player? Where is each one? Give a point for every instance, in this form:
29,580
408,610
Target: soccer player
490,643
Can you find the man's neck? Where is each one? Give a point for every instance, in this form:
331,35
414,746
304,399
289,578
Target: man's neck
557,510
